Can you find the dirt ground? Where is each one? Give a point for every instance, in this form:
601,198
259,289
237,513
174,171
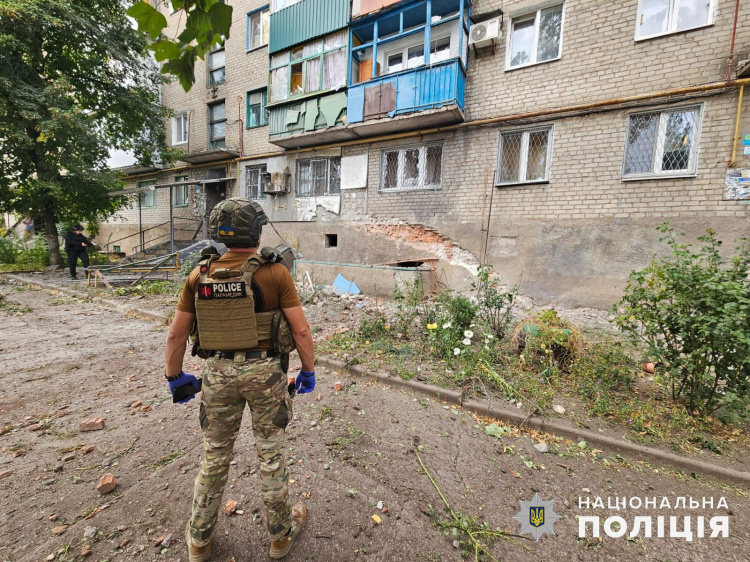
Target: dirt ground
63,360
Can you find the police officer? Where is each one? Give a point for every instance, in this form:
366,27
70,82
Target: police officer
232,378
76,246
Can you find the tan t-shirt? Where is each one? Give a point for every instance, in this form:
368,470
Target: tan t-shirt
272,287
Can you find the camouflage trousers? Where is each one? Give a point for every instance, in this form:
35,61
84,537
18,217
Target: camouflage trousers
227,387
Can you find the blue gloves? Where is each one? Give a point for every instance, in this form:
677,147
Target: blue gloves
184,388
305,382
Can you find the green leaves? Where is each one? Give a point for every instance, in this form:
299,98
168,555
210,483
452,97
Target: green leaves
207,25
692,309
149,18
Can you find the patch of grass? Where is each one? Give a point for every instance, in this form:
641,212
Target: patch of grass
169,288
164,461
13,308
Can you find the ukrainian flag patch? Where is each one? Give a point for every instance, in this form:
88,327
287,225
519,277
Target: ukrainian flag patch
226,231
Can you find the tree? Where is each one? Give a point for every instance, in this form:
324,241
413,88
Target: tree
75,81
207,24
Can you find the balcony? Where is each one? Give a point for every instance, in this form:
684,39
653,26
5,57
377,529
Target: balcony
303,20
436,91
309,122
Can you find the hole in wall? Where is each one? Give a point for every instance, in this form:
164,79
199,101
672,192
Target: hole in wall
332,240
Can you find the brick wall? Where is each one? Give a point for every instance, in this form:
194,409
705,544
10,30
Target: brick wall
245,71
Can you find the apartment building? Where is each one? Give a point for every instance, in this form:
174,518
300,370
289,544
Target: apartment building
545,138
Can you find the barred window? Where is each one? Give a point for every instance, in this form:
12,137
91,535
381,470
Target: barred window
412,167
524,156
255,177
662,143
317,177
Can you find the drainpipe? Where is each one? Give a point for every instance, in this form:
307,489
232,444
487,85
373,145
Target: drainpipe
189,115
737,126
731,47
239,123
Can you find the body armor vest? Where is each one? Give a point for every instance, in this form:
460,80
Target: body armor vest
225,308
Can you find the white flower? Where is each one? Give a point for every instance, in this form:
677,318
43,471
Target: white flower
456,351
487,347
490,336
446,325
466,341
468,334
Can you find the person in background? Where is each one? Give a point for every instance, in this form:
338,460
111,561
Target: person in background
76,246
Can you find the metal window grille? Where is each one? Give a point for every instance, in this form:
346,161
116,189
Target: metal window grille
255,182
662,143
524,156
318,177
412,167
180,197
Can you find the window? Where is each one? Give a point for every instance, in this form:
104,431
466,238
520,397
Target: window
255,177
412,167
524,156
281,4
535,38
180,128
256,108
318,177
216,63
658,17
662,143
315,66
414,56
217,124
180,196
258,25
147,197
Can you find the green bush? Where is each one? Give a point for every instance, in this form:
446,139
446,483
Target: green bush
495,306
692,310
8,250
372,328
28,253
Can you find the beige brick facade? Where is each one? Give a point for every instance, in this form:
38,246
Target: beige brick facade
574,237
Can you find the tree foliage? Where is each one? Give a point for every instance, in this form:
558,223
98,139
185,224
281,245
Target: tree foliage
692,309
207,24
75,81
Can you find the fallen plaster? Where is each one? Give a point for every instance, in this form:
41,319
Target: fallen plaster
307,207
429,240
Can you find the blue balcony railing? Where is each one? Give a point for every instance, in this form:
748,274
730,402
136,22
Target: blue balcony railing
408,91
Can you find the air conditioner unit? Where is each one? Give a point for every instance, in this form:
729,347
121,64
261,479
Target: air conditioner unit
482,34
276,183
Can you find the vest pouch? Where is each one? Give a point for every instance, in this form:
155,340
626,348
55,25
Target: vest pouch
225,310
281,333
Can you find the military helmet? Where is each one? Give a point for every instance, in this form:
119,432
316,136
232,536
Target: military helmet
237,220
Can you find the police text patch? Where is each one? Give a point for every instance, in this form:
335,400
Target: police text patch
228,290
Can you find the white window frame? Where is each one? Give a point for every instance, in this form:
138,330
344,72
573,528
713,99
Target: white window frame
180,118
261,169
402,150
261,14
524,156
536,14
672,21
177,189
150,193
328,187
404,52
658,155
